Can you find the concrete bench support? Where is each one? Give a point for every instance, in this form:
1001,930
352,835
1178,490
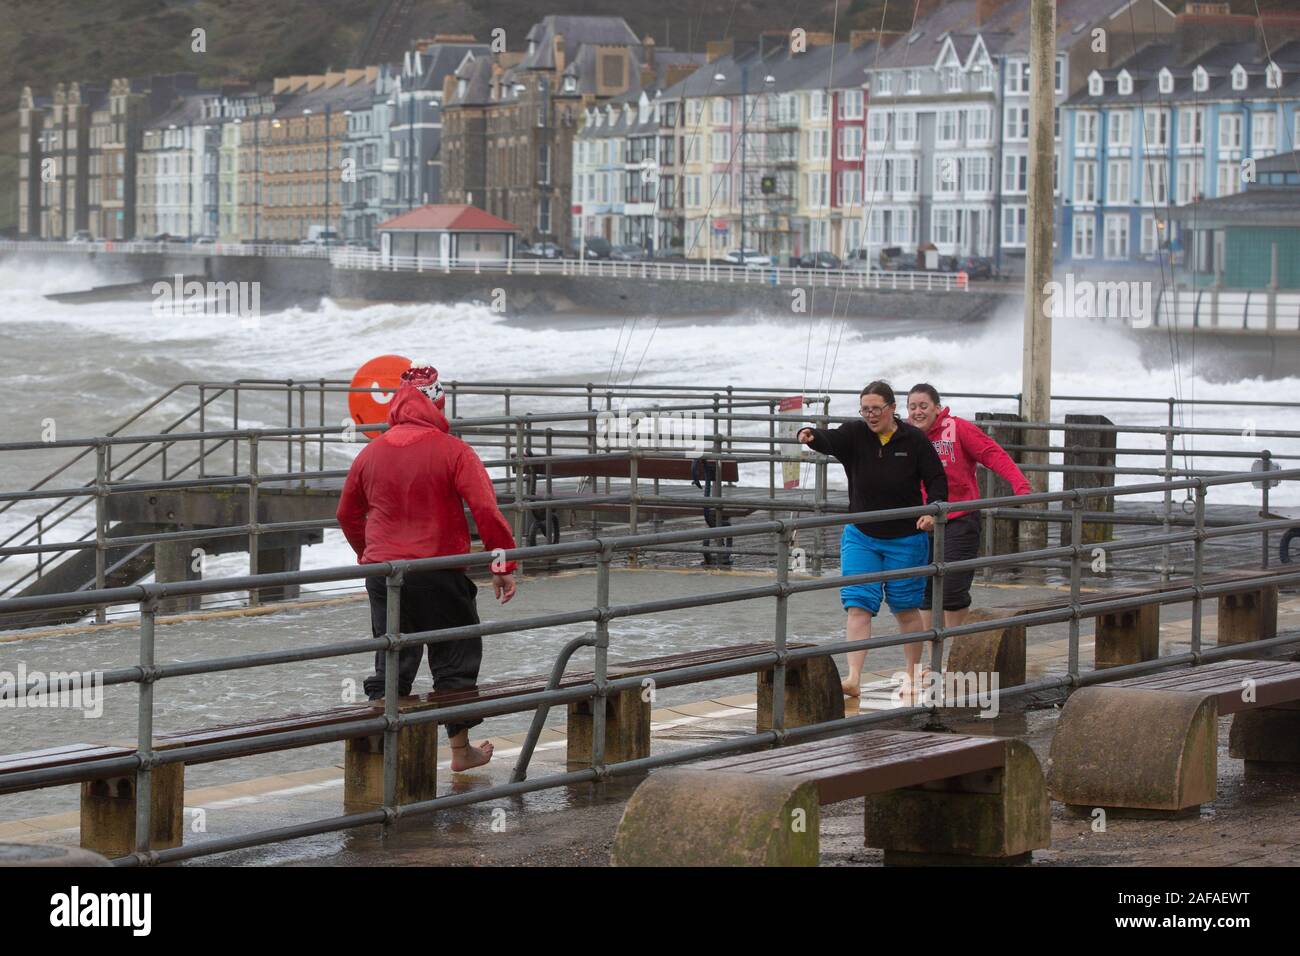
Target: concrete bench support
1268,738
627,729
417,768
108,811
1135,749
1000,650
812,693
1248,616
1127,637
993,816
701,818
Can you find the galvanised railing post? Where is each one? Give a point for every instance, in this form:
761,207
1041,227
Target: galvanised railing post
1169,494
819,500
633,463
591,448
601,668
1076,581
320,459
101,524
1266,456
144,725
203,411
234,445
1198,565
454,392
506,395
254,597
302,439
521,446
936,589
771,450
392,633
288,424
783,541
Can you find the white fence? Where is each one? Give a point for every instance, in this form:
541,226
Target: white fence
173,248
668,271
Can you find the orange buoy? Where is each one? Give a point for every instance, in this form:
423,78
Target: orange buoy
383,374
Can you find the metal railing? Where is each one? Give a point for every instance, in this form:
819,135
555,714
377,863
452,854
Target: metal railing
149,671
657,270
182,247
736,424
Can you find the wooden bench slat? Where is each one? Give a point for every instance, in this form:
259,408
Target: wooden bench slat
874,761
1275,682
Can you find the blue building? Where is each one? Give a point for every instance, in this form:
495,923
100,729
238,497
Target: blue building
1183,120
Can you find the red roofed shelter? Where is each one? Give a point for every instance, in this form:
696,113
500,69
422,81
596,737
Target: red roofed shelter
448,234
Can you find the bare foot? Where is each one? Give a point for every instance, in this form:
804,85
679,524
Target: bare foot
851,686
467,757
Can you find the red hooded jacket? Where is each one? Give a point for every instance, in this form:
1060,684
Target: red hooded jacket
961,446
403,496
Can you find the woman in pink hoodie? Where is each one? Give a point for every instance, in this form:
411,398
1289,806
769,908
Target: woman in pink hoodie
961,446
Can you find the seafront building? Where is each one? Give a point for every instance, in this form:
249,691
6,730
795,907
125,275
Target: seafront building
1183,120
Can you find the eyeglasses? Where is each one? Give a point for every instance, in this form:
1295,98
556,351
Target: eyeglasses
873,411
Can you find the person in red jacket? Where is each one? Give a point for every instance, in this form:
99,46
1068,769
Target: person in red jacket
961,446
404,499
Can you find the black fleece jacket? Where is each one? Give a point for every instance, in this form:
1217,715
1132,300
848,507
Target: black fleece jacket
885,476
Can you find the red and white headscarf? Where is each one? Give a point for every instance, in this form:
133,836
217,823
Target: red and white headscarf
425,378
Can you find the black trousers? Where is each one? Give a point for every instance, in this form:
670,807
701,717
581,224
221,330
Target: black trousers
430,601
961,542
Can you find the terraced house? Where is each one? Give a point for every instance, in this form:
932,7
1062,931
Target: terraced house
511,119
1183,120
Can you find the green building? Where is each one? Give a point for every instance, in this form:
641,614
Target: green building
1250,240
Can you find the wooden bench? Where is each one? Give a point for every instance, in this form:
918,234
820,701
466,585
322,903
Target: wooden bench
930,798
1150,744
108,798
1121,637
652,469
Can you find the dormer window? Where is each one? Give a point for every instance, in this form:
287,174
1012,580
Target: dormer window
570,84
1200,80
1238,77
1125,83
1166,81
1096,85
1273,76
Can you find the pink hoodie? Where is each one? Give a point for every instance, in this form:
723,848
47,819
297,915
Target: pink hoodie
961,445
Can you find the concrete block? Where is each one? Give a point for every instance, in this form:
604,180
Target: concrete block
627,729
1248,616
108,811
1269,735
417,768
719,818
1127,747
1127,637
812,693
1000,650
999,815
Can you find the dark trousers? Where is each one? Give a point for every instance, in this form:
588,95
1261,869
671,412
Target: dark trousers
961,542
430,601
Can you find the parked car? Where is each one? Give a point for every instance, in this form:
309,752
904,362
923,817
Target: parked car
205,241
858,260
903,262
540,250
629,253
977,267
750,258
597,248
82,235
820,260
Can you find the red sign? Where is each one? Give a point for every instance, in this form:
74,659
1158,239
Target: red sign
577,209
383,372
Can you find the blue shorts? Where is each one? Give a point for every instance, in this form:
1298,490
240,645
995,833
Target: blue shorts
862,554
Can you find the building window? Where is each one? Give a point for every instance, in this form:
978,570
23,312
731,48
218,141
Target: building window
1155,184
1016,124
1085,130
977,125
720,111
1015,174
544,215
1155,129
1230,131
850,106
914,81
1118,192
1013,225
1117,237
720,148
1085,183
878,127
1191,129
851,143
1263,134
1085,228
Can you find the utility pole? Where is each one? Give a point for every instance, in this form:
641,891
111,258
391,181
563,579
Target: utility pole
1036,378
